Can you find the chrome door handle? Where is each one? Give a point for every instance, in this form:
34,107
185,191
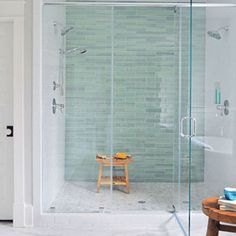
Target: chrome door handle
193,130
182,134
194,127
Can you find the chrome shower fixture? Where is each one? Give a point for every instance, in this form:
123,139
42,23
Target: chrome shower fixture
55,85
54,23
216,33
224,108
72,50
56,106
66,30
82,51
63,29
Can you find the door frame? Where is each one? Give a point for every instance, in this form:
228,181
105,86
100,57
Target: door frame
13,12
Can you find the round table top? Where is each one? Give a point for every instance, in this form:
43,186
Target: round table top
210,208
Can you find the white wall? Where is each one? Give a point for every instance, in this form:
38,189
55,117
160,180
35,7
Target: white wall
53,124
220,66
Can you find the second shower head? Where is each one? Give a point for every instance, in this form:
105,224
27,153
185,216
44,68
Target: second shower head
216,33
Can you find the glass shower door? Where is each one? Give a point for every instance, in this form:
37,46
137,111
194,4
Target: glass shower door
144,88
152,107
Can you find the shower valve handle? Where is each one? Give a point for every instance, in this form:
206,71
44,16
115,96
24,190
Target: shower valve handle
56,106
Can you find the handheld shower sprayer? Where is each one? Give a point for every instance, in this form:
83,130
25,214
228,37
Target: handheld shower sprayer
70,51
66,30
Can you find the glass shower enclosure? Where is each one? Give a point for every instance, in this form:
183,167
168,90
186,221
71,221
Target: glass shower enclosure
117,78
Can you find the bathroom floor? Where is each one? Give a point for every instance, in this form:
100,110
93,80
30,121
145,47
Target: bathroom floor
199,224
82,197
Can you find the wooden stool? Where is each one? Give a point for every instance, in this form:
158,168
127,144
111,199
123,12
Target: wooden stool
211,209
116,180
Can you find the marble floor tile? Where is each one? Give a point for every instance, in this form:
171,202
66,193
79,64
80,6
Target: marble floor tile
79,197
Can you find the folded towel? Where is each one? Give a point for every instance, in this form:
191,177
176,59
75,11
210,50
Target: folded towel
227,203
122,155
227,208
101,156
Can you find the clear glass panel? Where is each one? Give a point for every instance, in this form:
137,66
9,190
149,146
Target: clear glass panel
182,151
213,103
53,124
121,79
88,103
146,92
77,77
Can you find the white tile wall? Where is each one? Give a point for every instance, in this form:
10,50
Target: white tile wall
220,66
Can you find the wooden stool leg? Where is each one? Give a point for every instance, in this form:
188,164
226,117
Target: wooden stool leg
126,178
212,228
99,177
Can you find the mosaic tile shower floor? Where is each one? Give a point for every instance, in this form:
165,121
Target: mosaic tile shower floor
82,197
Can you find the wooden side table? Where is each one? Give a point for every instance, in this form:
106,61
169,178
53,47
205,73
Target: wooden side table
116,180
211,209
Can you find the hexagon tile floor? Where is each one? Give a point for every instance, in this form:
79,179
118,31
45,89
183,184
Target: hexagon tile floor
82,197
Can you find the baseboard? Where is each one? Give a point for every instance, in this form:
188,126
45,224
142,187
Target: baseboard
28,215
22,215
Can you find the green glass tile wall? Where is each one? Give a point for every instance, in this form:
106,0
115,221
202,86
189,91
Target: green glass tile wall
144,90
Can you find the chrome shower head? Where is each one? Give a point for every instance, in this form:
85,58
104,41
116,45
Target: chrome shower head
82,51
65,30
73,50
216,33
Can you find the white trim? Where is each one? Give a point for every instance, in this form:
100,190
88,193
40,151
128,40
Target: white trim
18,88
20,207
139,3
37,111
